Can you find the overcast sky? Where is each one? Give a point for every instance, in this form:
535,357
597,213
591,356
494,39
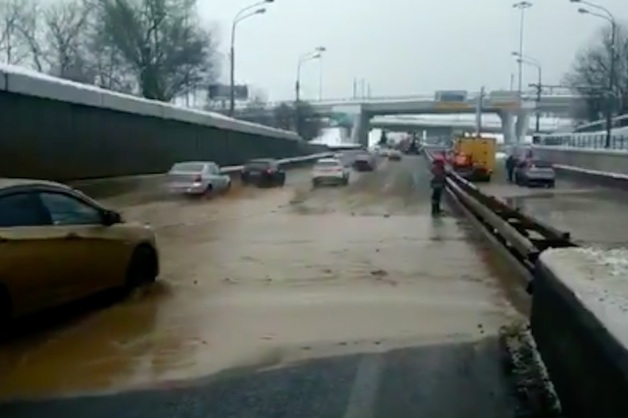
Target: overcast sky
400,46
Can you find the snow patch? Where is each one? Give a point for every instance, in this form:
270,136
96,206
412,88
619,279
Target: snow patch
599,280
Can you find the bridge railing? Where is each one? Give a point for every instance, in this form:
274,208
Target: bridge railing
546,125
527,96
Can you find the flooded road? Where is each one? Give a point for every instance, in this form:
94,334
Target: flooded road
353,301
594,215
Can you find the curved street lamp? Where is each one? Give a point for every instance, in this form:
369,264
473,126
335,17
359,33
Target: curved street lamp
522,59
317,53
245,13
609,17
522,6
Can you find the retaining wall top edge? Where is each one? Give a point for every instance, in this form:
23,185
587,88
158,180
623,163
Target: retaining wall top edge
599,280
68,91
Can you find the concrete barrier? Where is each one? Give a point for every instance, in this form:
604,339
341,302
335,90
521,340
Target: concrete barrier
598,165
154,183
60,130
579,321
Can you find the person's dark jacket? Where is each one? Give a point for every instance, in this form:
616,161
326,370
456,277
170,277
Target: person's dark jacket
439,177
510,162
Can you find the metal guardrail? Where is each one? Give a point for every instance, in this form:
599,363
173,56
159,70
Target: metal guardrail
522,237
285,162
560,319
230,170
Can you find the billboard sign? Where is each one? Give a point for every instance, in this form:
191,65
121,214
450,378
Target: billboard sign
223,91
449,96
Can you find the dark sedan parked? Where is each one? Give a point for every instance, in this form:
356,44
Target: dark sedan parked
263,172
364,162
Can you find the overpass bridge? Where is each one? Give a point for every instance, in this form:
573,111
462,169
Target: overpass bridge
513,111
554,103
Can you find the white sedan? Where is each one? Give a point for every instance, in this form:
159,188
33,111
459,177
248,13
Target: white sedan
330,171
395,155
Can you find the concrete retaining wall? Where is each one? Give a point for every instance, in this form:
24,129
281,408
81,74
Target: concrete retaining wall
609,161
575,335
64,131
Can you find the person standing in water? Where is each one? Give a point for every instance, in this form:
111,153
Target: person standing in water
438,184
510,167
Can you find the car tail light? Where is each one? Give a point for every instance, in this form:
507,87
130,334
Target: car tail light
269,171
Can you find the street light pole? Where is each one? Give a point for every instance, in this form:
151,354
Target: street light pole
539,90
320,79
521,59
479,109
609,17
522,6
316,54
240,16
611,86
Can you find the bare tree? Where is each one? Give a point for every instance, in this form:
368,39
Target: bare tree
13,13
66,24
33,38
55,38
284,117
310,124
161,42
110,69
590,74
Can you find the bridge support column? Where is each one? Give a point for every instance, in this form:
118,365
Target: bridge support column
361,128
508,126
522,126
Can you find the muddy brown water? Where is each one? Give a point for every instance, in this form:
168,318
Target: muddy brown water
274,276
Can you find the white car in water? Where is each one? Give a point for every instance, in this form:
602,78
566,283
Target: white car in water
330,171
395,155
197,178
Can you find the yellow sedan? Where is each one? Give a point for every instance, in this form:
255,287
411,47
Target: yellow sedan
58,245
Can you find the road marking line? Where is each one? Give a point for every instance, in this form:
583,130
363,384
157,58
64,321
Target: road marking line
416,179
365,386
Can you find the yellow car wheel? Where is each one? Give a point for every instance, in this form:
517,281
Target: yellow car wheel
142,268
6,309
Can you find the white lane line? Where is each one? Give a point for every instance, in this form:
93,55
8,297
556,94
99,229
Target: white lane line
416,178
365,387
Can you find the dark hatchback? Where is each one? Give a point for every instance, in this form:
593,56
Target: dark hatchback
263,172
364,162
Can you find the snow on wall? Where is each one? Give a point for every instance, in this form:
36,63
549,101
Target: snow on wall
599,279
24,81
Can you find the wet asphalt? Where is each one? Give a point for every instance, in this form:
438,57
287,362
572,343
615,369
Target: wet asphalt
291,302
594,215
